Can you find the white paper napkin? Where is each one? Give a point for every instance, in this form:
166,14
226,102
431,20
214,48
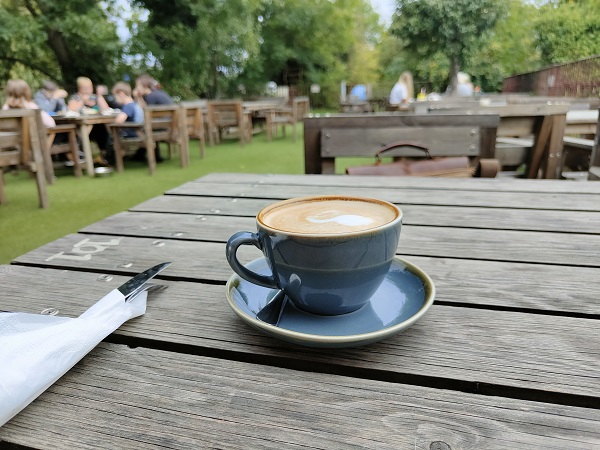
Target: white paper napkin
36,350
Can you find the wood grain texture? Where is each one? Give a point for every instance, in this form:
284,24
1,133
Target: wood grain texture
515,323
483,350
445,242
470,184
506,284
441,141
118,397
500,199
430,215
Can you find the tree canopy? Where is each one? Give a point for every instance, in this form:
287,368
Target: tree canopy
60,40
568,30
454,28
214,48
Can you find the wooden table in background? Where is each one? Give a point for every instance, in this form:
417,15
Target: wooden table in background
85,124
508,356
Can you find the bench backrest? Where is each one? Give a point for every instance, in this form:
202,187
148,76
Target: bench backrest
22,136
326,138
162,122
594,171
193,116
226,113
516,121
300,107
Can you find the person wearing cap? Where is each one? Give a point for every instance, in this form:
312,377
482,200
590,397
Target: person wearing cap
50,98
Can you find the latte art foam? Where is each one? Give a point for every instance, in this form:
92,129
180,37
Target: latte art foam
333,216
350,220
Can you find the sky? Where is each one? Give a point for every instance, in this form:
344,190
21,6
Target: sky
385,8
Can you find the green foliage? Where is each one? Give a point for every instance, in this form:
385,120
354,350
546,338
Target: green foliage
427,27
308,41
232,48
430,72
60,40
568,30
509,49
198,47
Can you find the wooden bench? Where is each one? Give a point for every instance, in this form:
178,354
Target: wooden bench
22,137
161,124
578,141
345,135
539,126
594,170
194,118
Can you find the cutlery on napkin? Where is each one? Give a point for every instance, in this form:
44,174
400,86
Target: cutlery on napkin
36,350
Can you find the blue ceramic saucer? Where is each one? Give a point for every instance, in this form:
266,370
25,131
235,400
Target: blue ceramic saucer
404,296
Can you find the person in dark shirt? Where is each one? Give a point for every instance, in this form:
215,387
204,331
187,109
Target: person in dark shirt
148,90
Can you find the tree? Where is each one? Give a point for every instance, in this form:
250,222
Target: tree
58,39
510,48
315,41
568,30
455,28
198,47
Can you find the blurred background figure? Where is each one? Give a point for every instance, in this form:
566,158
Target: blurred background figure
148,92
18,96
358,93
102,89
464,87
403,90
50,98
130,110
422,95
85,100
85,97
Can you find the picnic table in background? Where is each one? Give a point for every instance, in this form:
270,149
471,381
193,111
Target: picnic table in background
507,357
84,123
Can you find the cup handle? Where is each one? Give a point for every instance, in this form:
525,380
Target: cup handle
244,238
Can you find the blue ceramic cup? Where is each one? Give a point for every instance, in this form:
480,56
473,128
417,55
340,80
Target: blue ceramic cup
329,254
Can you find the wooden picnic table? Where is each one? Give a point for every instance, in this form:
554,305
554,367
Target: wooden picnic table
85,123
507,357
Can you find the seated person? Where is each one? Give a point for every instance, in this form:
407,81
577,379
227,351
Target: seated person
359,93
402,91
148,92
85,98
464,87
102,89
50,98
130,110
18,96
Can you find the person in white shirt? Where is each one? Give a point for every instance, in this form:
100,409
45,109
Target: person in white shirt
403,90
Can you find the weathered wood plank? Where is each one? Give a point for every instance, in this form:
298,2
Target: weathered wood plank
499,245
526,200
474,184
118,397
472,348
506,284
452,216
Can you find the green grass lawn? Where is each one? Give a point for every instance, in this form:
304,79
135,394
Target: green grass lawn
78,202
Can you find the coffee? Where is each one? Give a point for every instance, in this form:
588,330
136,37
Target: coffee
327,215
329,254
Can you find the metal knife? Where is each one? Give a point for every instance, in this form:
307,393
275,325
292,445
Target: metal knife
130,288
